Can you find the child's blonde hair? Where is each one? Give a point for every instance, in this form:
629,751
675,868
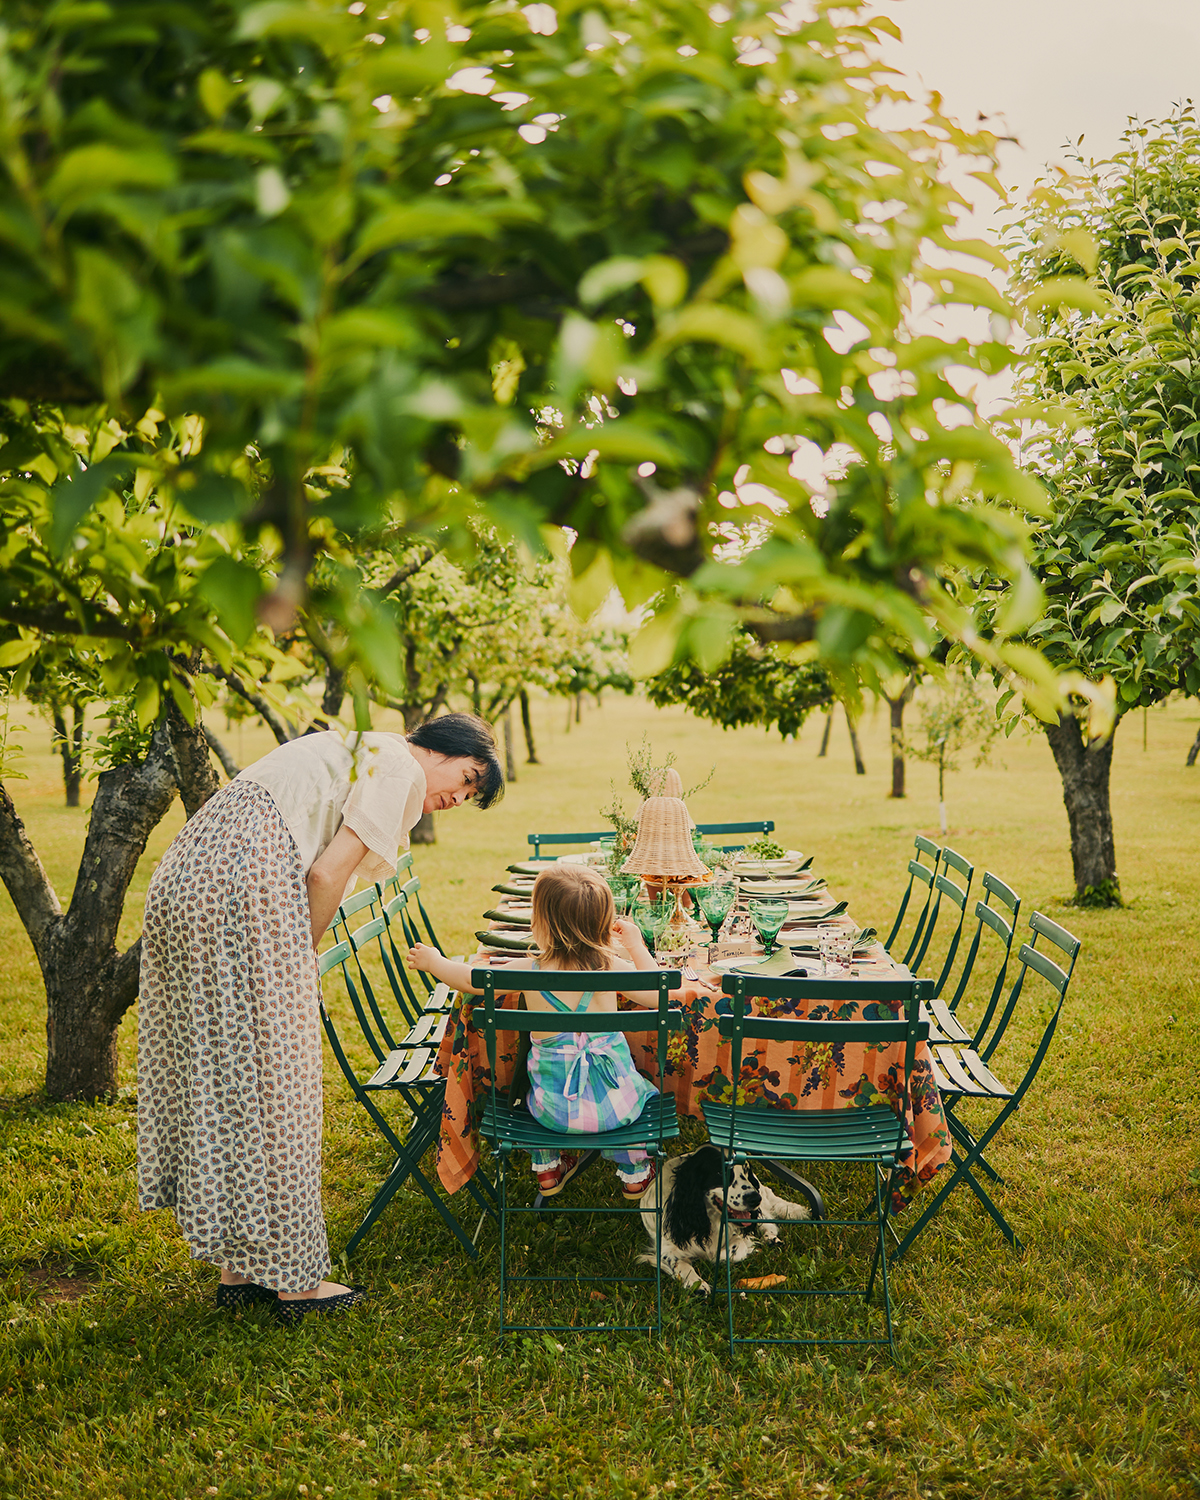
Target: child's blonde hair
573,914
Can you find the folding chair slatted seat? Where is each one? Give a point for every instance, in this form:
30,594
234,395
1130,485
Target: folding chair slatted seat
918,875
508,1129
875,1135
410,1074
962,1072
943,886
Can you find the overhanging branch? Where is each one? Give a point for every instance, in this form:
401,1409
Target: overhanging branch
256,701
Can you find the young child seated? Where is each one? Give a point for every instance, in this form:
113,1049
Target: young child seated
578,1081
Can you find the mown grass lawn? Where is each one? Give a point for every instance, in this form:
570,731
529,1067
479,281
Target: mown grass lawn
1068,1372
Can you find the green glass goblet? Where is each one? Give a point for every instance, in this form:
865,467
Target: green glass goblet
715,901
652,918
768,917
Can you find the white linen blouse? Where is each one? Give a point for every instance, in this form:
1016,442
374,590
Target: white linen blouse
368,782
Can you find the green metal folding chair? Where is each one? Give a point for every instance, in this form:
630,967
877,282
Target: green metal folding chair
943,888
996,914
761,826
872,1135
560,839
918,875
410,1074
508,1129
961,1072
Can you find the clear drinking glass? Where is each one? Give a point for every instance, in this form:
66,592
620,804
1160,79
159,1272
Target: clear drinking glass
843,950
769,917
827,941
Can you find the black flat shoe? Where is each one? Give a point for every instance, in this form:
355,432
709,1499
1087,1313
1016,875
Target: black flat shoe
292,1312
244,1294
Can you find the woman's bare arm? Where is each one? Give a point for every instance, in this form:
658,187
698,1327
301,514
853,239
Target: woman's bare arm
329,877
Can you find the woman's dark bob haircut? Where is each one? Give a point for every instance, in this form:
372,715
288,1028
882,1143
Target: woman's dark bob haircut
457,735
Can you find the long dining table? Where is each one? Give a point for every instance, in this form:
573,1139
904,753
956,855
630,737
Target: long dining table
776,1074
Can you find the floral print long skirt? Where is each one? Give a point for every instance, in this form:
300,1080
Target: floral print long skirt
229,1048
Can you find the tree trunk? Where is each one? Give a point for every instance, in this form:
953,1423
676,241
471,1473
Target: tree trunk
579,708
859,768
510,760
527,725
1195,750
335,691
69,744
218,748
896,707
1084,769
89,985
824,750
424,831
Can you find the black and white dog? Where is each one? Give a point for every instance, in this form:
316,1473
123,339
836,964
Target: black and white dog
691,1228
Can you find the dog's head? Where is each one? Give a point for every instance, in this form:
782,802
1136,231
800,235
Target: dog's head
698,1191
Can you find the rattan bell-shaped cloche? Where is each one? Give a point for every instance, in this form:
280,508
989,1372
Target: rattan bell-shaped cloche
663,848
668,784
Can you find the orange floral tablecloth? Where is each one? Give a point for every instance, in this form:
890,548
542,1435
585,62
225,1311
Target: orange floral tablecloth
698,1063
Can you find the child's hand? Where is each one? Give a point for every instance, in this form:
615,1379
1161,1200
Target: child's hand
422,956
629,933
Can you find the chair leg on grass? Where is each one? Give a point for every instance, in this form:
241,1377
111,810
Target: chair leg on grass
503,1233
963,1170
962,1134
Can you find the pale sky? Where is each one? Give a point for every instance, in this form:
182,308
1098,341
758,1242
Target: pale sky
1053,69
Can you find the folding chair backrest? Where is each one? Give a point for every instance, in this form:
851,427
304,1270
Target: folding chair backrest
997,914
341,957
370,897
412,886
761,826
921,875
900,1001
576,981
332,957
394,881
365,941
1055,963
398,921
538,839
956,892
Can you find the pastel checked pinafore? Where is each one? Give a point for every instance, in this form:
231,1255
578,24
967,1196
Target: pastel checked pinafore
585,1082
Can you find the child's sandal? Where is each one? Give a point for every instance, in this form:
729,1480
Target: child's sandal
554,1179
641,1185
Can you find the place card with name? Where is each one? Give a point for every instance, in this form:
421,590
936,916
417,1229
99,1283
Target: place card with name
732,948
